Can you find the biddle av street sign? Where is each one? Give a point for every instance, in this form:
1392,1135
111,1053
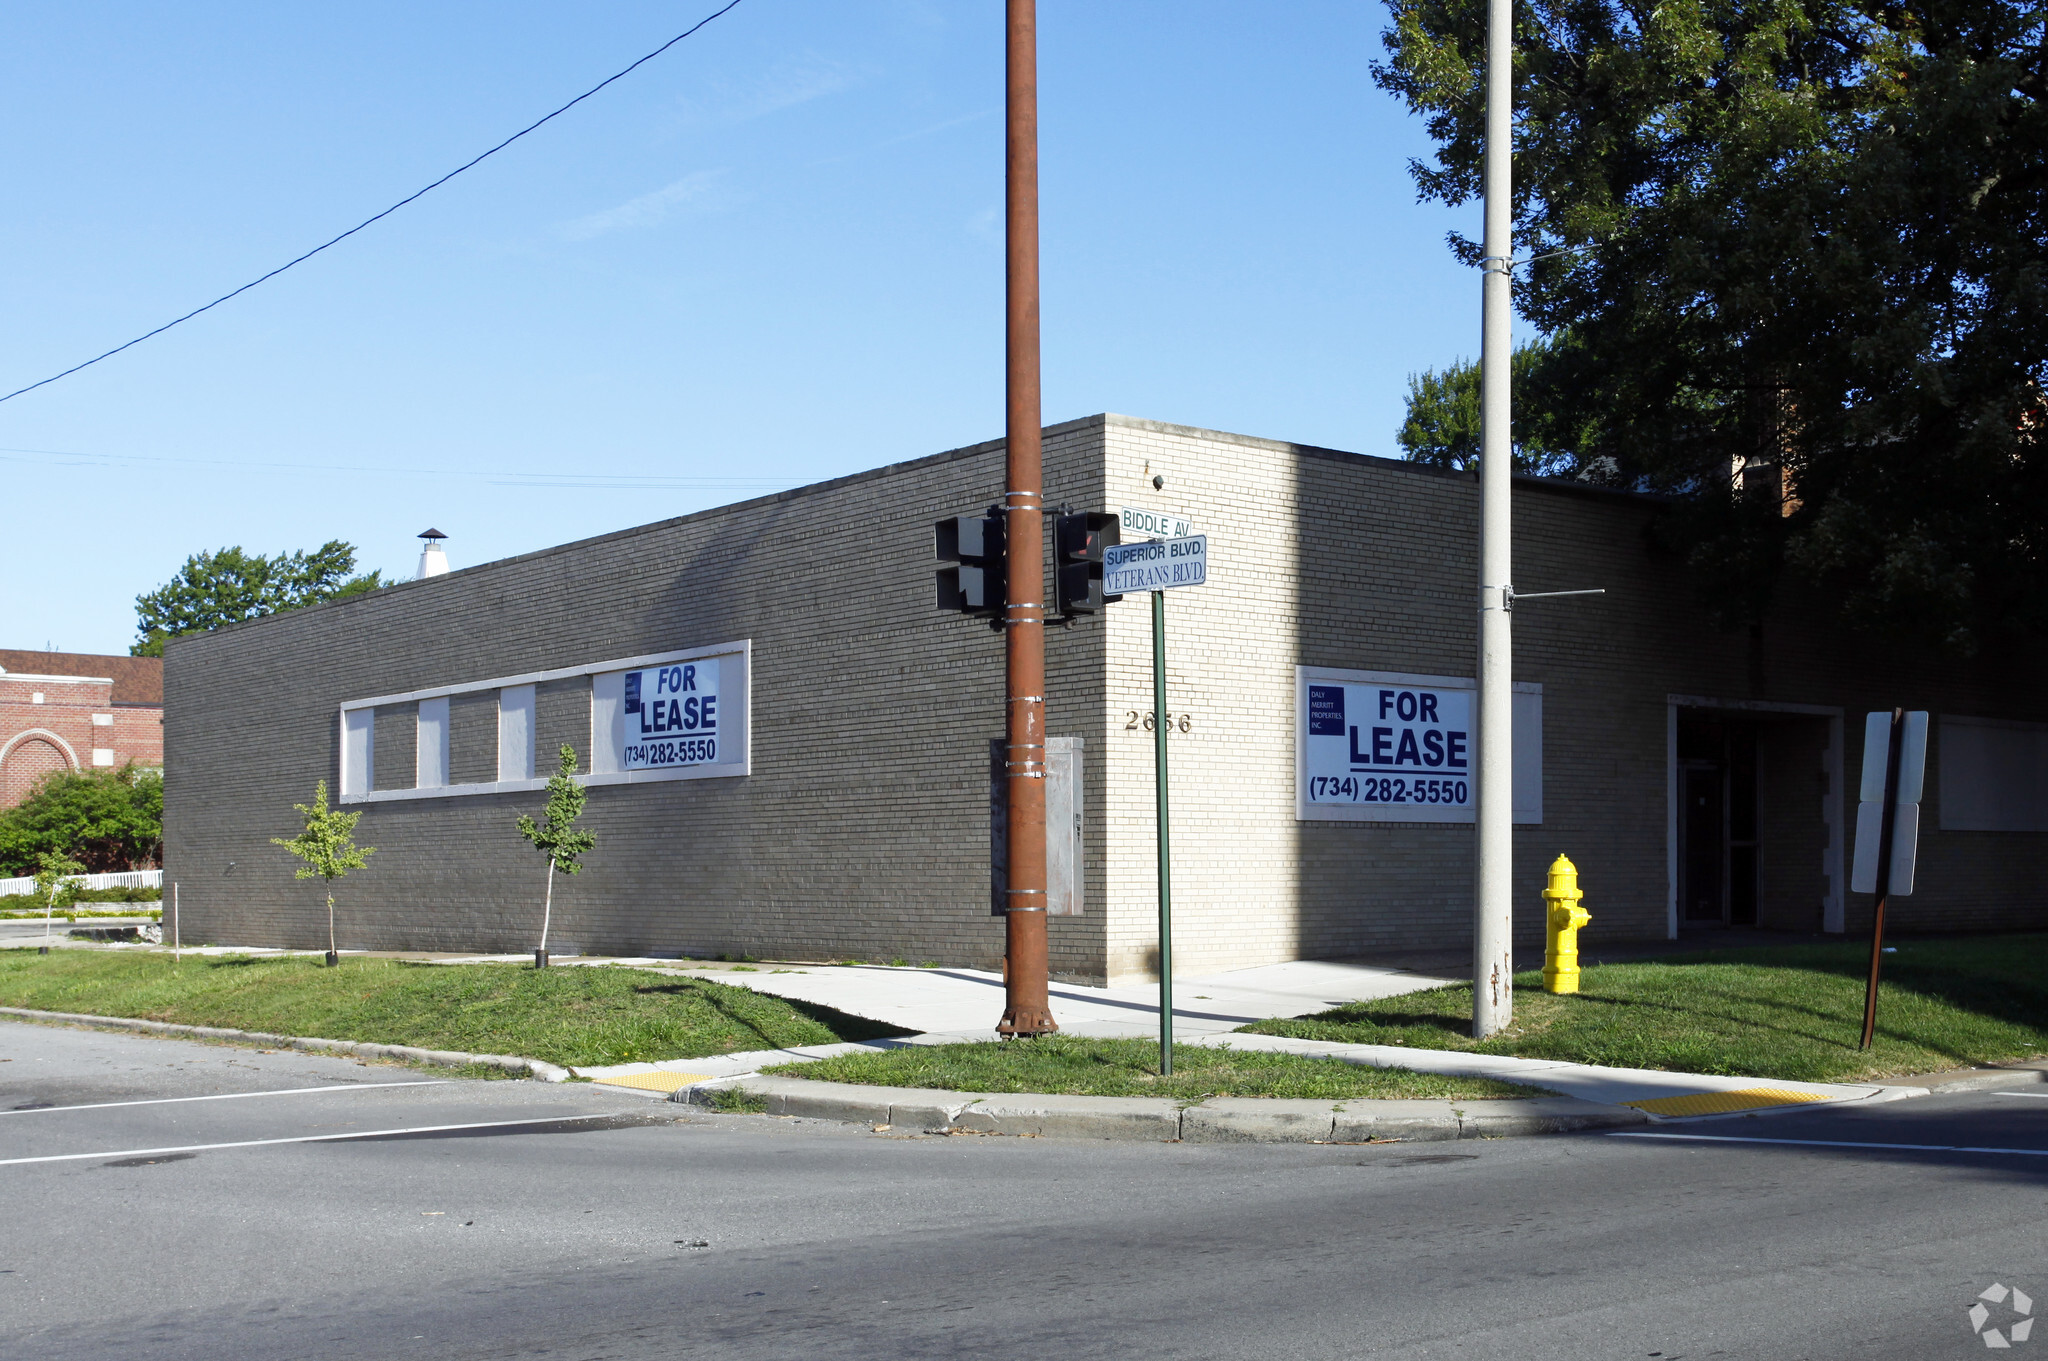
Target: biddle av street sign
1159,565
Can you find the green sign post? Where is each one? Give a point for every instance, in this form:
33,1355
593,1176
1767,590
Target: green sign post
1159,566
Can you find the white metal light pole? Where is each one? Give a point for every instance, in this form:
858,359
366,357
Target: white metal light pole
1493,906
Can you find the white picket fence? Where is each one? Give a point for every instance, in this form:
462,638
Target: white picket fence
119,879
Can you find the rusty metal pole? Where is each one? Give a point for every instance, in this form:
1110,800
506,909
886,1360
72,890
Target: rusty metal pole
1028,1009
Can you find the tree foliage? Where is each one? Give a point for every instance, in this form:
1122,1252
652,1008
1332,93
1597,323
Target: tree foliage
227,587
1786,236
1443,425
108,820
325,840
556,835
54,885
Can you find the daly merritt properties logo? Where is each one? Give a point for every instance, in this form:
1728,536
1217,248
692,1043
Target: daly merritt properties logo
2013,1323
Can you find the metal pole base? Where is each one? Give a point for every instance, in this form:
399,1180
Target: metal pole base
540,959
44,950
333,959
1026,1023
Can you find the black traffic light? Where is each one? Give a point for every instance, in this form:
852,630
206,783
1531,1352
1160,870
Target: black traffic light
973,545
1078,541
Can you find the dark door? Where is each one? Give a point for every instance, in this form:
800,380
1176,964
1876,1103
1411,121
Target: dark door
1719,855
1702,885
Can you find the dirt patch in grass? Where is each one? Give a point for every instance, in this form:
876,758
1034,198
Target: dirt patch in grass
569,1016
1070,1066
1792,1012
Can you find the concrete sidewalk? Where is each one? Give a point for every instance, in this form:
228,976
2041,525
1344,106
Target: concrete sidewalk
970,1001
948,1006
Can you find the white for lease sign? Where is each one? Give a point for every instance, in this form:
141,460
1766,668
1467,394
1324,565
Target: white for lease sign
671,715
1391,747
675,718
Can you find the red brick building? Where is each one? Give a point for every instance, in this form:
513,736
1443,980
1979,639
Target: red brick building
74,711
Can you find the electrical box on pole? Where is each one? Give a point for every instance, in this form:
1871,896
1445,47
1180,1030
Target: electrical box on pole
1079,540
973,583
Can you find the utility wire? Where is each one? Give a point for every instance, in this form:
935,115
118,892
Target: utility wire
380,216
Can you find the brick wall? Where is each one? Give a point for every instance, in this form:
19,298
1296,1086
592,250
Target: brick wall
50,723
1322,558
863,830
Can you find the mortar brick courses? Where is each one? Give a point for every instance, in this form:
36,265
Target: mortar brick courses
863,830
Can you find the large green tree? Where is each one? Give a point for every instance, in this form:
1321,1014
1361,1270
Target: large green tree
213,589
108,820
1801,247
1443,427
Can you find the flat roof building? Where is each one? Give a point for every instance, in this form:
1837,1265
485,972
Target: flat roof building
787,745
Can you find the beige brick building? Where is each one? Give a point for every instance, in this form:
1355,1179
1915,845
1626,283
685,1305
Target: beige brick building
837,805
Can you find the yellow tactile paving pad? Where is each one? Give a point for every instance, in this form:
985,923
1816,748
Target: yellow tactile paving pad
653,1082
1719,1103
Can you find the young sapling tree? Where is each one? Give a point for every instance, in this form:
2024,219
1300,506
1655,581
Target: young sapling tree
326,846
557,837
52,869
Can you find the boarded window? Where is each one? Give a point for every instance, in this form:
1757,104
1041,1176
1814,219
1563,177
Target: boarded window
1994,775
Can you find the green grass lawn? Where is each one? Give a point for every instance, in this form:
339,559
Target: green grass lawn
1785,1012
569,1016
1071,1066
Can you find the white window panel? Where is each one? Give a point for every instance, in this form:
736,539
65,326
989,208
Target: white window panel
1994,775
102,756
515,732
358,751
430,770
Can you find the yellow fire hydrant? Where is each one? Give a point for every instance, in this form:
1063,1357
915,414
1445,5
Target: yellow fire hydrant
1564,917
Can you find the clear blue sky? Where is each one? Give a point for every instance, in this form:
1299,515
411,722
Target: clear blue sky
770,256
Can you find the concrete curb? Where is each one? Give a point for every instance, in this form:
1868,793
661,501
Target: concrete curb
1967,1080
438,1058
1219,1120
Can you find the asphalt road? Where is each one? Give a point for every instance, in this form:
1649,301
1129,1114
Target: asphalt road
579,1222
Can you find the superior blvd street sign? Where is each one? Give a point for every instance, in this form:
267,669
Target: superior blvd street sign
1159,565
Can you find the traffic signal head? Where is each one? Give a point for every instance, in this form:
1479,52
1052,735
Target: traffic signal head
1078,543
973,545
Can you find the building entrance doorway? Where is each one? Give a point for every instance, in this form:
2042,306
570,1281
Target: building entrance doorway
1720,866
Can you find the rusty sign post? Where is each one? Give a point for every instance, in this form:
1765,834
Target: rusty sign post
1028,1007
1887,828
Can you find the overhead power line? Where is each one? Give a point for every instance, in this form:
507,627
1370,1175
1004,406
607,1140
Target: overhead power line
380,216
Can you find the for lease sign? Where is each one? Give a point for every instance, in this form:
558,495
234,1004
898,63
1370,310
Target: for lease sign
1385,746
1385,743
671,716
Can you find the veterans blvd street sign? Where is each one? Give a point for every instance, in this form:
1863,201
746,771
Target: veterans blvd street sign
1157,566
1152,524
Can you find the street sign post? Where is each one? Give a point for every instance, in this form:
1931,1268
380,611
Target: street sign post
1159,566
1887,825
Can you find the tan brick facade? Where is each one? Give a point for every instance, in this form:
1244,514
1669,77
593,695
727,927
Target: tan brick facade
862,831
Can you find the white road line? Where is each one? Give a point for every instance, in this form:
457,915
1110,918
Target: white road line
2038,1096
305,1139
232,1096
1835,1143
